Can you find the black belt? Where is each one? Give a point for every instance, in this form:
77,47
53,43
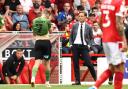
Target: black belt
80,45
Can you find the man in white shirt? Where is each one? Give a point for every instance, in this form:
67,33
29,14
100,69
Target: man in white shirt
80,38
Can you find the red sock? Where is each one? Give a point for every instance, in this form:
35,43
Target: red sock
103,77
118,80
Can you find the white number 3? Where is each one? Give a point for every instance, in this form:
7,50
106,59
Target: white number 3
107,24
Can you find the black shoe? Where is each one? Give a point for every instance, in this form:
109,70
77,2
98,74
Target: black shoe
32,84
76,83
110,82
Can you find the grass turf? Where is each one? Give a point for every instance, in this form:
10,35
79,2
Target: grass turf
5,86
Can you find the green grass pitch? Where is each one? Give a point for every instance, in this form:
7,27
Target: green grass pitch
5,86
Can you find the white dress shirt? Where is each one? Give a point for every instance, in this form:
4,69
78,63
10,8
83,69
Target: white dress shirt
78,37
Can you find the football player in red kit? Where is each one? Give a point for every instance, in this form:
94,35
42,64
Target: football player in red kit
111,23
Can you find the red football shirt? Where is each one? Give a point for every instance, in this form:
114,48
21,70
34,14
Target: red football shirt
109,10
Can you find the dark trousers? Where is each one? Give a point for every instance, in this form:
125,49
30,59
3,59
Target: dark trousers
81,50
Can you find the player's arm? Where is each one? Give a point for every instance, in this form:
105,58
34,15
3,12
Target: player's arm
49,26
33,22
120,25
99,20
120,10
121,31
34,34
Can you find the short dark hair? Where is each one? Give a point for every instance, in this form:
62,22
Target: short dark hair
47,4
92,14
14,26
19,50
36,5
94,8
85,14
80,8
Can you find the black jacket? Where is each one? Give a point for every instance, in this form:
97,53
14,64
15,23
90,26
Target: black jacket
13,66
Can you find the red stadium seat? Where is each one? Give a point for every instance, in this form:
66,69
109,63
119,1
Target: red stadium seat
24,76
1,74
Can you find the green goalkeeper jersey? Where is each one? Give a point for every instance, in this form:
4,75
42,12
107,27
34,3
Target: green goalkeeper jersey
41,26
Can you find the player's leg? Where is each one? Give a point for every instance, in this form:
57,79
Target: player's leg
87,59
18,80
110,82
6,77
38,56
108,72
47,72
34,71
47,56
7,80
118,62
103,77
119,74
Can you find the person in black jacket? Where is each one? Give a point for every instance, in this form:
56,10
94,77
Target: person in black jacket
13,66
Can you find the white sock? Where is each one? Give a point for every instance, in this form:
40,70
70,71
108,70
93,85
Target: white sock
47,82
33,79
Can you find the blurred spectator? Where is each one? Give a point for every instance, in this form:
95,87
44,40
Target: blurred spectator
13,66
65,16
97,33
76,13
33,12
54,12
91,19
2,9
52,16
84,3
46,3
86,6
10,5
2,24
8,22
96,11
27,4
21,17
98,5
97,36
17,26
60,3
76,3
54,28
65,40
